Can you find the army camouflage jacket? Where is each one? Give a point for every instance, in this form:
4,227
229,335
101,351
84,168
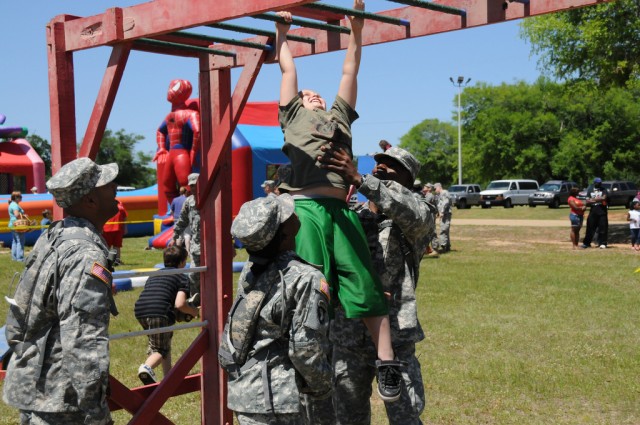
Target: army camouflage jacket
397,237
189,218
289,354
444,203
63,364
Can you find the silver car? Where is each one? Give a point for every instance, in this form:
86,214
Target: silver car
553,193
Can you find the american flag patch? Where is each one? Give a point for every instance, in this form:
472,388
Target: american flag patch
324,288
101,272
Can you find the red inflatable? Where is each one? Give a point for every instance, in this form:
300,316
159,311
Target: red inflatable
178,139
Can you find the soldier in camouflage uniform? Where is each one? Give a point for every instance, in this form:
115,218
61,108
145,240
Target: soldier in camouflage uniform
59,371
430,198
444,212
397,223
288,355
190,220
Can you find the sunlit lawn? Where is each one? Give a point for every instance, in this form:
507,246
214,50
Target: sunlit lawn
520,328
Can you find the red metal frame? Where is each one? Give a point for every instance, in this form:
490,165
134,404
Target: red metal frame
220,111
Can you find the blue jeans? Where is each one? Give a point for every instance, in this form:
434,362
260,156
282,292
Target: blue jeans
17,245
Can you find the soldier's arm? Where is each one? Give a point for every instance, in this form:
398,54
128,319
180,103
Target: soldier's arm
309,332
396,201
83,309
183,221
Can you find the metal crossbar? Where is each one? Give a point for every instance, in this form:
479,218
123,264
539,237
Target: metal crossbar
256,31
433,6
161,272
231,41
158,330
358,13
303,23
185,47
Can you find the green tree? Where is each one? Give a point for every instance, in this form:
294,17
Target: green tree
43,148
434,144
511,131
548,130
599,43
119,147
605,122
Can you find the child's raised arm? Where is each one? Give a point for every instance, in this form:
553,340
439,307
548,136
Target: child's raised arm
289,84
348,89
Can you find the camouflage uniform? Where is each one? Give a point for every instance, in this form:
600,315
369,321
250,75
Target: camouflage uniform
286,358
431,199
289,350
190,219
444,210
59,370
397,237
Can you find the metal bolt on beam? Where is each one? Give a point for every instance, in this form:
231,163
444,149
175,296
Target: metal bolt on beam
358,13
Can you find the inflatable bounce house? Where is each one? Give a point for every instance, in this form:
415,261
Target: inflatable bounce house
255,157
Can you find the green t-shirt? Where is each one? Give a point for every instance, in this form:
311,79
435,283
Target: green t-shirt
305,131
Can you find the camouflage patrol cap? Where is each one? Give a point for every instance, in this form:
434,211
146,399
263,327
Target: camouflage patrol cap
77,178
258,221
407,160
193,178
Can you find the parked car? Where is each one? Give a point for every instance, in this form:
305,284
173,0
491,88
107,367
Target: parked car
553,193
465,195
621,192
508,193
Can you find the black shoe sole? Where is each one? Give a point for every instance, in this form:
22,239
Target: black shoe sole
388,399
146,378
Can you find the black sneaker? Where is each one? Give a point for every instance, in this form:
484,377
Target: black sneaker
389,379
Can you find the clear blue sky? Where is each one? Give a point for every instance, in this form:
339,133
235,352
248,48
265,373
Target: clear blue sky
400,83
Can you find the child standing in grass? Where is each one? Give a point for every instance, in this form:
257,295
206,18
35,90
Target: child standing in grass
330,232
633,217
155,309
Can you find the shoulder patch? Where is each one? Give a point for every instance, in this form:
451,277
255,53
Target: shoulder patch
101,272
325,289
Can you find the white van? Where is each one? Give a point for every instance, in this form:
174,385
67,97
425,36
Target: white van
507,193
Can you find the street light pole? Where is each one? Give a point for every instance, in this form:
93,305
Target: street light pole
460,83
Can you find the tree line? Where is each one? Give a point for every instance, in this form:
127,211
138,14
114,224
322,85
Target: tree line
579,120
116,147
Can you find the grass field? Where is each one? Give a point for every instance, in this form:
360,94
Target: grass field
520,328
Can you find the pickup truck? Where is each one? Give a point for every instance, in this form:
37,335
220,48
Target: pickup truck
465,195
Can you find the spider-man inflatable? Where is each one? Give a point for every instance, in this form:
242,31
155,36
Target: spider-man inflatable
178,139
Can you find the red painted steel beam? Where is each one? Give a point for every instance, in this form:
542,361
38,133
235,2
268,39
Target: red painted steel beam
104,102
214,203
230,115
190,384
423,23
320,15
130,400
147,413
62,105
153,18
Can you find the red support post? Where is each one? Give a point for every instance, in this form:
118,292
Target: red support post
61,100
105,99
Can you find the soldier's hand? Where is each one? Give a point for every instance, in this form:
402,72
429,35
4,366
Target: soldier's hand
339,161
